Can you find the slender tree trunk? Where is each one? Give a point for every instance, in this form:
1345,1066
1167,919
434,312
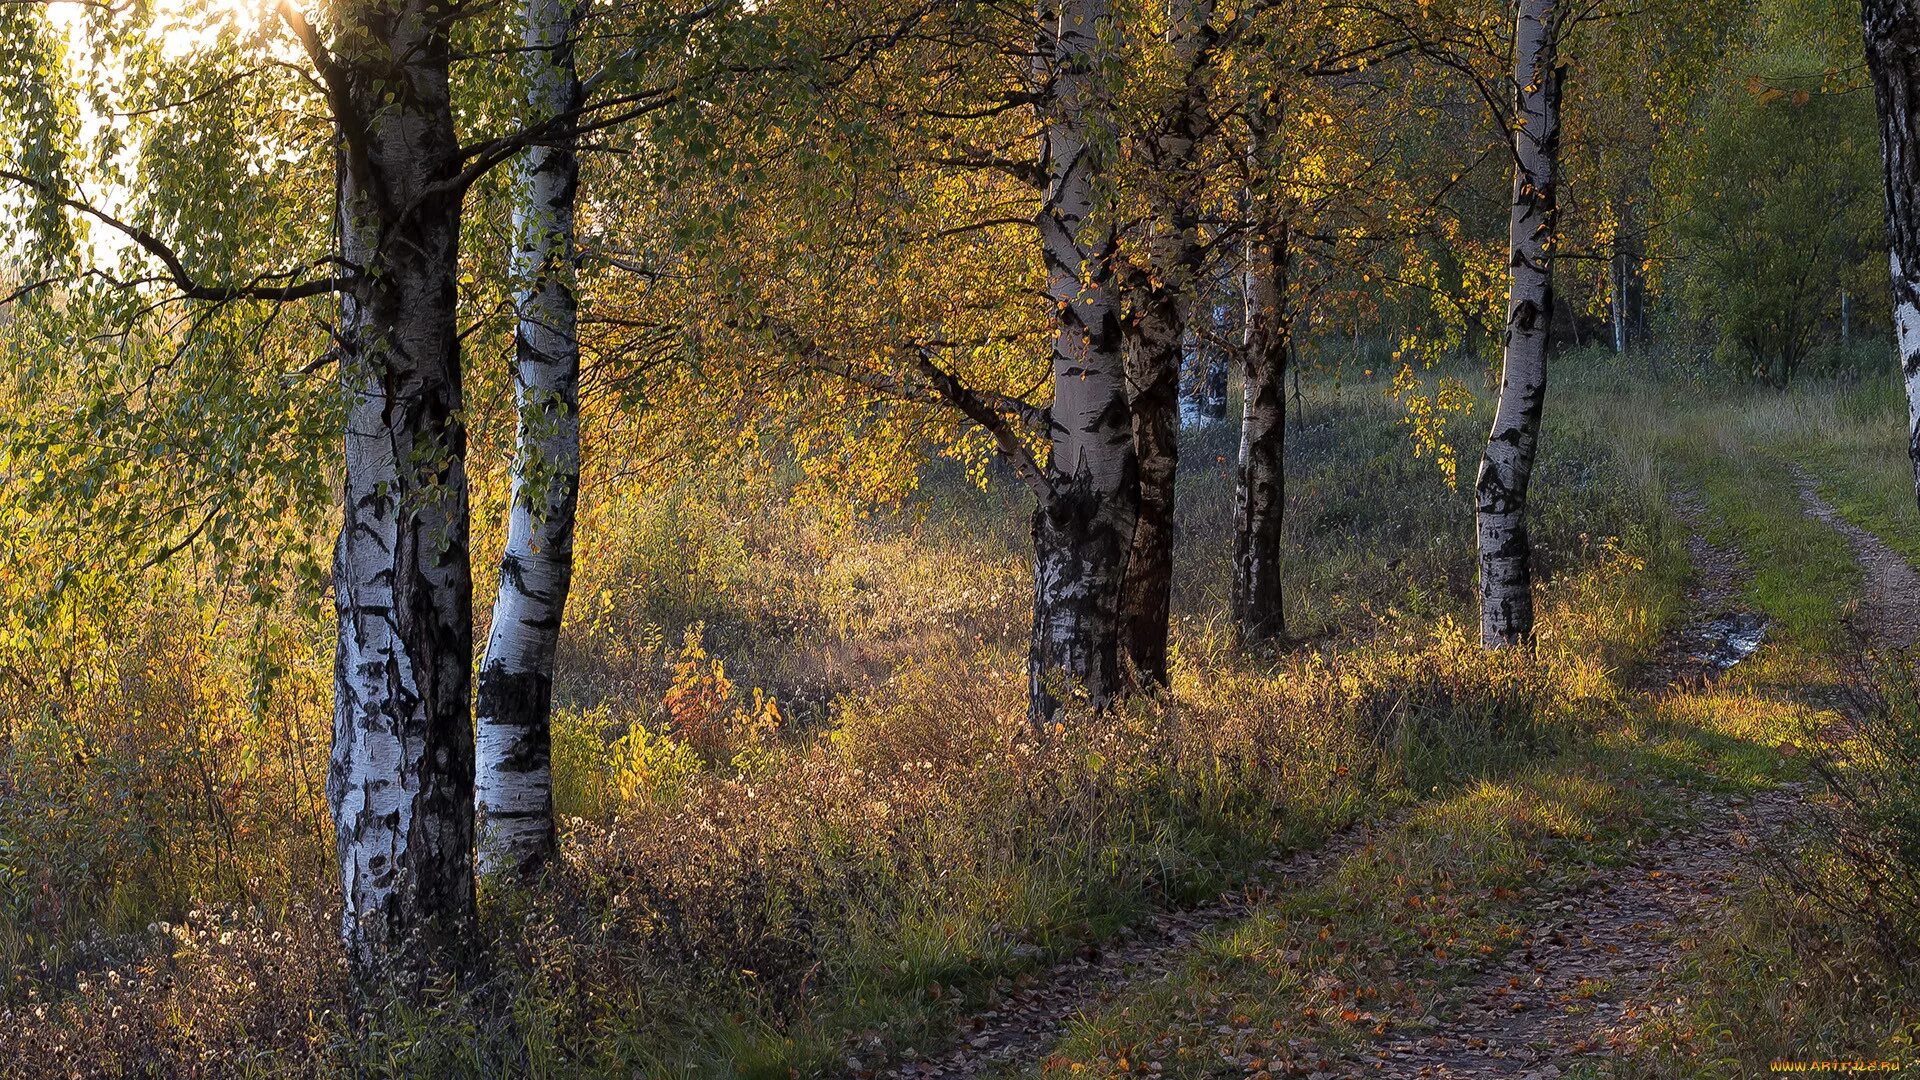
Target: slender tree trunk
1259,488
1619,304
1629,286
1083,530
1500,492
401,778
1154,392
514,778
1204,372
1155,326
1634,273
1157,309
1193,373
1892,31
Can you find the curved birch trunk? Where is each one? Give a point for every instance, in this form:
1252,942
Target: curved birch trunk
1892,32
513,784
1155,329
1193,373
1204,363
1083,529
1500,491
400,780
1259,484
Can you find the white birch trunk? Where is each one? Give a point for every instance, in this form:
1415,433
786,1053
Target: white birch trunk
1216,392
1193,373
1500,491
1083,530
1259,486
1892,32
513,784
1619,304
400,780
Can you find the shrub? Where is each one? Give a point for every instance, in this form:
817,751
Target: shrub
1865,863
1775,203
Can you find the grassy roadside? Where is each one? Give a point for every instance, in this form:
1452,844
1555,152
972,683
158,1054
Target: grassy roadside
1781,978
1378,949
1851,439
1733,448
1383,947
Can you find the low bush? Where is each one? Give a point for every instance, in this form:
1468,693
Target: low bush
1864,861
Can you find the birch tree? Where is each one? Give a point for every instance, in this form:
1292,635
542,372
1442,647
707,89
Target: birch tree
1500,490
1083,529
514,779
1314,206
401,778
1892,32
402,783
389,85
1259,486
1021,351
1159,284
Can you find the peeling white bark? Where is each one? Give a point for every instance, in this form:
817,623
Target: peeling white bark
1500,490
1618,304
514,779
1906,337
1215,407
400,780
377,693
1083,529
1259,486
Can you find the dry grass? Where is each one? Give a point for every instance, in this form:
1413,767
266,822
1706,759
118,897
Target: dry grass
805,817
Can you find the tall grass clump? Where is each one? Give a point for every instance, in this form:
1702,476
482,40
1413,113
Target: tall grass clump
154,755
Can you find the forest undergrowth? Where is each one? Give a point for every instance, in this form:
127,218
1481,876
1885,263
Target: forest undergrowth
805,822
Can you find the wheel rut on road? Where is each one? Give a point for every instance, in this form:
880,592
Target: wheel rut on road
1030,1019
1889,613
1589,975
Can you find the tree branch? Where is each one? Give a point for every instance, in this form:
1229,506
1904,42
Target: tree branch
182,279
1004,418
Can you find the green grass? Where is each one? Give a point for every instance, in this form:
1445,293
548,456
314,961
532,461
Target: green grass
1378,947
1802,573
896,850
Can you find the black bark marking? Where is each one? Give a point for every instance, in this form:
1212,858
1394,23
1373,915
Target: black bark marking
519,701
1891,31
400,335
